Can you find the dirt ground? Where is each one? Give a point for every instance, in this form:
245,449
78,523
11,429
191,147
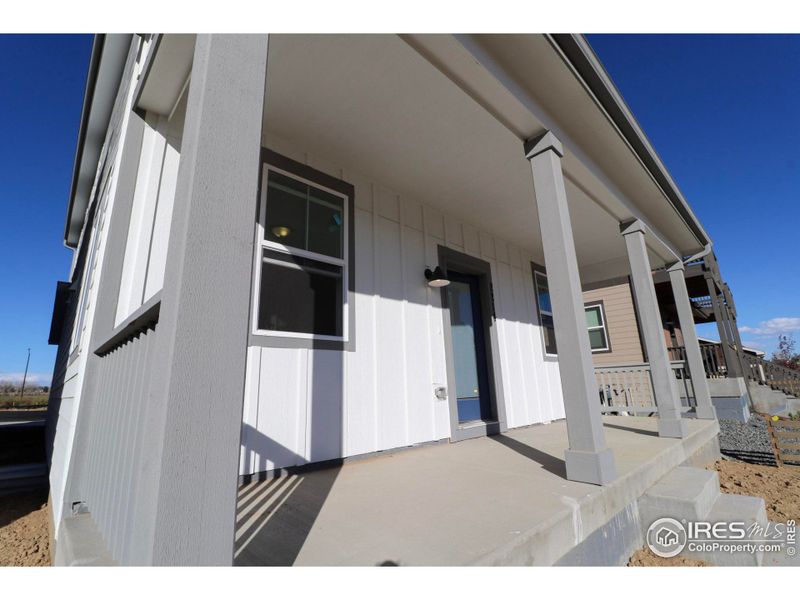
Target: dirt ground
24,540
779,486
644,558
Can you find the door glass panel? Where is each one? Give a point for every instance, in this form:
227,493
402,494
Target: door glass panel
469,358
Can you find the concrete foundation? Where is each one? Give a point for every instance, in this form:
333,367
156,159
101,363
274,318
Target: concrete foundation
773,402
730,399
80,544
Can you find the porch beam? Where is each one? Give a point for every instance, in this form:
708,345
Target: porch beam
670,423
205,307
588,459
694,360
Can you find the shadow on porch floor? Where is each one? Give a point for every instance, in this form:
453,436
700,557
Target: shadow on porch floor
494,500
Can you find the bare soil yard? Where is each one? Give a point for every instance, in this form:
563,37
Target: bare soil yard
778,486
24,539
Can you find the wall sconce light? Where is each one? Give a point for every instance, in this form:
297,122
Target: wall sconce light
436,278
281,231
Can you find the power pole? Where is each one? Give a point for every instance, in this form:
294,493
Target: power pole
25,376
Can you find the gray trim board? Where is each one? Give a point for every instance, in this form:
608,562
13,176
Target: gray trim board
449,258
598,285
187,506
270,157
144,317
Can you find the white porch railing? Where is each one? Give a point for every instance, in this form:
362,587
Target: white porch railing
628,389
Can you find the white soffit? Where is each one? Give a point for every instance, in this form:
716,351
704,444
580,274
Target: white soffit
529,87
166,72
374,105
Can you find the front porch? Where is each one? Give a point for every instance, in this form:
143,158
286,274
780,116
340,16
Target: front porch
498,500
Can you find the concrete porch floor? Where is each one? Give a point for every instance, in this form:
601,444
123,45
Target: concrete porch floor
498,500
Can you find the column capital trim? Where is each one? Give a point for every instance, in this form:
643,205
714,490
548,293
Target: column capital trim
634,226
541,143
678,266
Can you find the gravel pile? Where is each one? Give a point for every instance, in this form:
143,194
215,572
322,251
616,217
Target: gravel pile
746,441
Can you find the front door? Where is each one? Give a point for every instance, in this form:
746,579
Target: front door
469,347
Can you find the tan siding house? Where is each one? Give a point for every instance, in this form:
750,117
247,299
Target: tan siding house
621,323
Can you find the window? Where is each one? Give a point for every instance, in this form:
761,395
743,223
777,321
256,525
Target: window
545,312
595,319
596,323
302,266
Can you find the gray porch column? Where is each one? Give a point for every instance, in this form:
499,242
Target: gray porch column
670,423
587,459
725,336
205,307
694,361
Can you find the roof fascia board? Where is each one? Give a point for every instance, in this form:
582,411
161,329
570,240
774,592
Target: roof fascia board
549,123
106,65
577,52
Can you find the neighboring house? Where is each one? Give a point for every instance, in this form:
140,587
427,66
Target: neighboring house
618,349
292,250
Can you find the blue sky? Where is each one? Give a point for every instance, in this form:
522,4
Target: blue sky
42,79
721,111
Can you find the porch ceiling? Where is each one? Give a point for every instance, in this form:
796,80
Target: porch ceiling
375,105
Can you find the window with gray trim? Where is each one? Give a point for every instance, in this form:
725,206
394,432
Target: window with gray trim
596,324
302,259
595,318
545,312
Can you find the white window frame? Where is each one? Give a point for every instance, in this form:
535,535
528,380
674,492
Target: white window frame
603,326
543,312
263,244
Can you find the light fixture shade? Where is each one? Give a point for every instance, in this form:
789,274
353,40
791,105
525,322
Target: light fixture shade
281,231
436,278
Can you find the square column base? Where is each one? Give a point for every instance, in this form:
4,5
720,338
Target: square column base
705,412
673,428
591,467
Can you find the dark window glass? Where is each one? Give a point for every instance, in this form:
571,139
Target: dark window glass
325,222
303,216
287,208
549,334
544,293
300,295
597,339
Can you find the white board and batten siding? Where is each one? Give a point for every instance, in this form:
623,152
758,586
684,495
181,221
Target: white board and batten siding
309,405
